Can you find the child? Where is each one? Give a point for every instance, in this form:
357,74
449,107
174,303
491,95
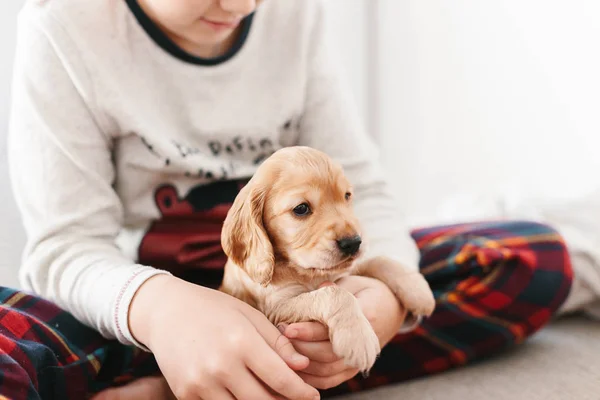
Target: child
134,124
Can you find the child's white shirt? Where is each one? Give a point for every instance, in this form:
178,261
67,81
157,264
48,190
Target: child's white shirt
103,116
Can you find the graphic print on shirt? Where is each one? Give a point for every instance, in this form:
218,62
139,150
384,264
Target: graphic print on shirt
260,149
235,148
187,234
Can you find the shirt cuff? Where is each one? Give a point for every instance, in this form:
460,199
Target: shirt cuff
121,313
410,324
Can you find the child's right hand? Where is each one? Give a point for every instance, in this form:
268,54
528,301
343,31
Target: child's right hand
211,346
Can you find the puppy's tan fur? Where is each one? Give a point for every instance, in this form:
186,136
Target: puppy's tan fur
277,259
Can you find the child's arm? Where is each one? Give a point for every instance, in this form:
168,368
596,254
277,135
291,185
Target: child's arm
330,123
62,176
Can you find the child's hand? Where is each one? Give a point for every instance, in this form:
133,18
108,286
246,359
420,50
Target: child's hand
209,345
311,339
326,370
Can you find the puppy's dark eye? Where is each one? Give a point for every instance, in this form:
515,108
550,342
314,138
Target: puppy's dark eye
348,195
302,210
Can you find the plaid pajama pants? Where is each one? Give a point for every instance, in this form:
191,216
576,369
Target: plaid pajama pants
496,283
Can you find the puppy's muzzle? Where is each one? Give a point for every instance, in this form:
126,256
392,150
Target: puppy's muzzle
350,245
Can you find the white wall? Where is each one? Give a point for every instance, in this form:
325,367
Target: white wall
479,94
7,38
12,235
349,28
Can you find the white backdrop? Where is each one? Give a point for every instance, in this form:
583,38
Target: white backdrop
488,94
12,235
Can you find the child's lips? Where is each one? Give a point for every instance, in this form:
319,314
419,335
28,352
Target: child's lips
221,24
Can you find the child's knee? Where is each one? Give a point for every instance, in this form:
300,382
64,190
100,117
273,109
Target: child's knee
551,251
548,274
542,249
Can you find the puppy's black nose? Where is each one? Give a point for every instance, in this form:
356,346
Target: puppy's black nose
349,245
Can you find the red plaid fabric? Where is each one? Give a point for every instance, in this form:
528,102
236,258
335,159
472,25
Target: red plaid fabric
495,283
45,353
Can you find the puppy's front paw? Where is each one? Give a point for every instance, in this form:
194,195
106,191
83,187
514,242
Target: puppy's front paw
355,341
414,293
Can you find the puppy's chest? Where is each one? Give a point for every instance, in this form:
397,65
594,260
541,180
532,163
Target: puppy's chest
281,292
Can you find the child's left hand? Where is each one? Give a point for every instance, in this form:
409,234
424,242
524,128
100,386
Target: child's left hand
311,339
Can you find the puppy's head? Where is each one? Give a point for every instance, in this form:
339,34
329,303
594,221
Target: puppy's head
297,210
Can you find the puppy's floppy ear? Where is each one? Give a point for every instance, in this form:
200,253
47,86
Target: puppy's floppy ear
244,238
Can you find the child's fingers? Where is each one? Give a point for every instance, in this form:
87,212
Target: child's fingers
307,331
326,369
316,351
270,368
216,392
328,382
277,341
245,385
269,357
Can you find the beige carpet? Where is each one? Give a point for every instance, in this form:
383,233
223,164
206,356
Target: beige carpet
562,362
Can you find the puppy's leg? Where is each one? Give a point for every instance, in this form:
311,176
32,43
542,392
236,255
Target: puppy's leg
351,334
410,287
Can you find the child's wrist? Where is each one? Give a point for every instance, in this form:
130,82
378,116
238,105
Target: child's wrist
145,305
